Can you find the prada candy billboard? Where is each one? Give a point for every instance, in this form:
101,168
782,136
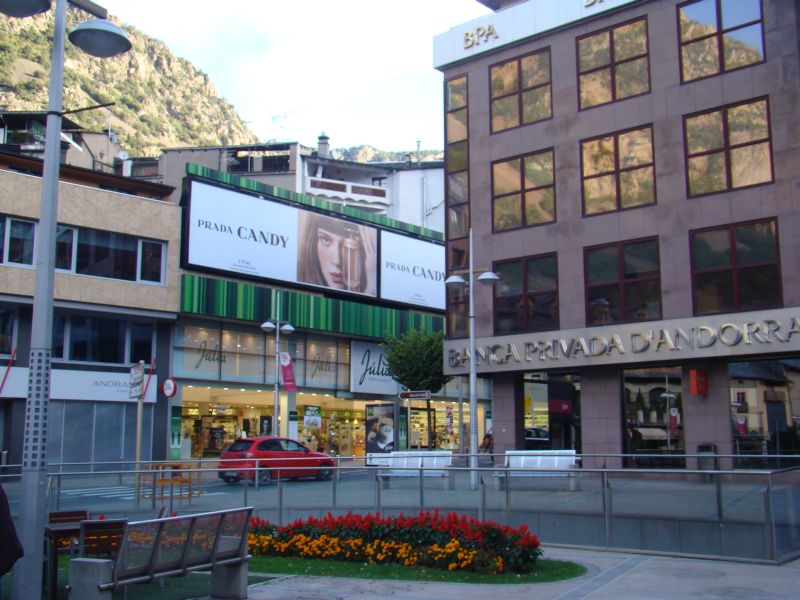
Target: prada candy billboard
240,233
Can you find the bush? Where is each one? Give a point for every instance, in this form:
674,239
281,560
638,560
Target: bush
449,542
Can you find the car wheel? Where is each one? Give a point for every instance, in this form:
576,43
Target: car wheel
264,476
324,473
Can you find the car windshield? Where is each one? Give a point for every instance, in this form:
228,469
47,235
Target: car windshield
240,446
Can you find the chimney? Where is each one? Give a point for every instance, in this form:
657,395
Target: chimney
323,146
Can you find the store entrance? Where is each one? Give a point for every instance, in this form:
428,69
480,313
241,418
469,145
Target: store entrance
552,412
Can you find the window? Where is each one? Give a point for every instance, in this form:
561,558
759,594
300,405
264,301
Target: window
718,36
521,91
736,268
8,317
623,282
16,241
456,195
523,191
109,254
728,148
618,171
102,339
613,64
527,297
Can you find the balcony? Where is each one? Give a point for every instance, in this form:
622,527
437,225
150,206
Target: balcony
369,197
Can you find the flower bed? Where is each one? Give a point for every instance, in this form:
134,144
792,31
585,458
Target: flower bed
450,541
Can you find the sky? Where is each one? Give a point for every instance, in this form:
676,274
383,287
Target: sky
361,71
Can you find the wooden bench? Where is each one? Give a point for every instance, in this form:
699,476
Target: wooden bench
414,463
539,463
172,547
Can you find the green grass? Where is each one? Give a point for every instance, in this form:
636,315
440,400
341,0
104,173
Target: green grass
546,571
198,584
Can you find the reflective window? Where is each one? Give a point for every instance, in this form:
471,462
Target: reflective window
618,171
736,268
613,64
521,91
523,191
728,148
623,282
456,192
8,317
97,340
718,36
526,298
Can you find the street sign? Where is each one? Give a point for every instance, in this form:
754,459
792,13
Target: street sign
137,380
418,395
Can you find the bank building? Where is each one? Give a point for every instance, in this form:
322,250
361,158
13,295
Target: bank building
629,171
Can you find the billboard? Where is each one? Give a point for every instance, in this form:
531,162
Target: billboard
412,271
369,372
236,232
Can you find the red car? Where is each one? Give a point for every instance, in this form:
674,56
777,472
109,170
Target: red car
277,458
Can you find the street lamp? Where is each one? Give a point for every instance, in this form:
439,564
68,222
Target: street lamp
458,282
98,38
278,327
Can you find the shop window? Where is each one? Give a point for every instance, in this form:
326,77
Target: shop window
618,171
653,404
527,297
717,36
523,191
728,148
521,91
623,282
613,64
736,268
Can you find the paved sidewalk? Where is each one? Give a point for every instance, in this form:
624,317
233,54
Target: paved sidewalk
611,575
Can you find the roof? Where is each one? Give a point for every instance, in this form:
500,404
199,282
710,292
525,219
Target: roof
134,186
764,370
16,120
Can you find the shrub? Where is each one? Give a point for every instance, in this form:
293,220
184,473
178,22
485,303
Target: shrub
450,541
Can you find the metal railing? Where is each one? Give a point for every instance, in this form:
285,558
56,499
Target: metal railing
735,514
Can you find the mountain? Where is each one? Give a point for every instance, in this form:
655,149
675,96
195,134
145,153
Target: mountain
161,100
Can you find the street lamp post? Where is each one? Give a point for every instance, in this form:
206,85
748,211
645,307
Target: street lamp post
286,328
102,39
458,282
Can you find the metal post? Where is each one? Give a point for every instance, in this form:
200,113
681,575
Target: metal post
718,485
473,392
769,521
275,401
139,419
27,581
607,516
421,488
482,507
377,492
280,501
334,482
460,416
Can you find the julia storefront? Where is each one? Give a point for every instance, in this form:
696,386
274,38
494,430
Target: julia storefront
225,375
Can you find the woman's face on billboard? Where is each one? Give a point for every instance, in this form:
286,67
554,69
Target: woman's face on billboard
329,253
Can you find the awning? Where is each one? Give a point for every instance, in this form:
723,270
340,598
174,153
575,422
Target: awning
652,433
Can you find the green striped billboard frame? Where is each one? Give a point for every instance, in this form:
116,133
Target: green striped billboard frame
220,298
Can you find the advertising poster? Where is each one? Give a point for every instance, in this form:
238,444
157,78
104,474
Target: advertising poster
240,233
312,418
380,428
336,254
412,271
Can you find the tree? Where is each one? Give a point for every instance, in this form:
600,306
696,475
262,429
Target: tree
415,360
